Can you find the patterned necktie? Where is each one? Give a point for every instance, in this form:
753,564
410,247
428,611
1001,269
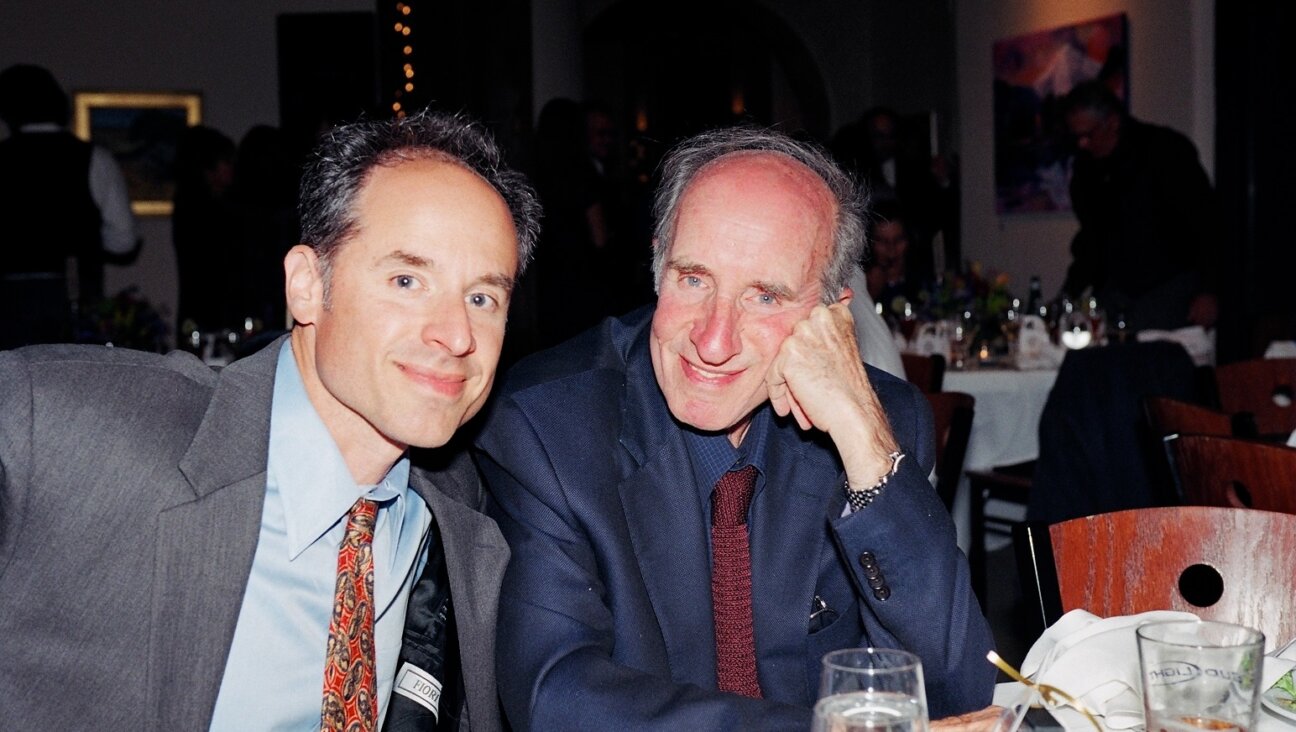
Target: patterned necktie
731,583
350,690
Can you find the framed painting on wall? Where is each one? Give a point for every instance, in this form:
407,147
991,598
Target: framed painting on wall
141,130
1032,75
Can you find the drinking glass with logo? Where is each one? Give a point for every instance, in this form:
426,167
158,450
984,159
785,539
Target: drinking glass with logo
1200,675
871,690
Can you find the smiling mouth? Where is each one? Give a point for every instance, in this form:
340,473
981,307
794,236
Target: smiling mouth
699,375
448,384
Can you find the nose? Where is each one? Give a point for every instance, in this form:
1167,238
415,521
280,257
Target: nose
450,327
715,334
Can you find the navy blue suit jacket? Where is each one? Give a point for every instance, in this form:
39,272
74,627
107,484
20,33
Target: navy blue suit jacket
605,617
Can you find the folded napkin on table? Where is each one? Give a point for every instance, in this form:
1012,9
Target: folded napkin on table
1281,349
1199,343
1034,349
1096,661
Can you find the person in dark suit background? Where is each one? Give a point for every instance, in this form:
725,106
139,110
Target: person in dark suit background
61,199
173,539
920,184
1148,246
601,455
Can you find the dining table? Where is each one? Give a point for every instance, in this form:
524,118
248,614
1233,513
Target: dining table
1098,669
1005,428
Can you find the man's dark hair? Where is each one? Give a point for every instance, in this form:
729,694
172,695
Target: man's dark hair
341,164
1093,96
887,210
690,157
31,95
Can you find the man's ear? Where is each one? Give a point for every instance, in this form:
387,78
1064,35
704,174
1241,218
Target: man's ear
303,284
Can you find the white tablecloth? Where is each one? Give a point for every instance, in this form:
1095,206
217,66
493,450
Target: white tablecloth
1005,429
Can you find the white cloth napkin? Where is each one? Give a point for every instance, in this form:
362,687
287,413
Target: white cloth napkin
1281,349
1034,349
1197,341
1095,660
1277,665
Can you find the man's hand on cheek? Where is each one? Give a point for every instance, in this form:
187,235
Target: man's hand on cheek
819,379
817,375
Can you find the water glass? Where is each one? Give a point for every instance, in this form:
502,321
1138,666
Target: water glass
1200,675
871,690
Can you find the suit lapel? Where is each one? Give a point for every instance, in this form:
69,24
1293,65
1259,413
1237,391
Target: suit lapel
205,545
788,535
665,522
476,555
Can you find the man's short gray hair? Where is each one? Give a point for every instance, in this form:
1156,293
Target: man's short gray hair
683,164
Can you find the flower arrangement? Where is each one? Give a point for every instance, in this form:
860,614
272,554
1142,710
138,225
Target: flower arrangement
125,320
984,294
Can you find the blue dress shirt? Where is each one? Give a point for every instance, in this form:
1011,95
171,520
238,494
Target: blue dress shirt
274,678
712,455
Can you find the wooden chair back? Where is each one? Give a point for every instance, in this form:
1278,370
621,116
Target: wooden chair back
1229,564
1168,416
1265,387
952,412
1222,471
925,372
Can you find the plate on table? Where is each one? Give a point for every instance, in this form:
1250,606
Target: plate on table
1281,702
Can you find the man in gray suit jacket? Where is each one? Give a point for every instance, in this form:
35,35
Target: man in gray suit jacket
169,535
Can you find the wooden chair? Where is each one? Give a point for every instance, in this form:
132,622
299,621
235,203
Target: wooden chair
1230,564
1222,471
1168,416
925,372
1265,387
952,412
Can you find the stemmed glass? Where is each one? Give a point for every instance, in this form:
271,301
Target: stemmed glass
1074,327
871,690
908,322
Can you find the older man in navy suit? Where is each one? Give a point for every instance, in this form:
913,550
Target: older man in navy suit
705,497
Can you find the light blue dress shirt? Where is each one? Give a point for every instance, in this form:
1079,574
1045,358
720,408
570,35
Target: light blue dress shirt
274,678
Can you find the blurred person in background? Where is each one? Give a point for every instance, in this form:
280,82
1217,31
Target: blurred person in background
64,211
1149,229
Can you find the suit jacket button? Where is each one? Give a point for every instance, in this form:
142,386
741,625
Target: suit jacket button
876,582
866,559
872,570
882,592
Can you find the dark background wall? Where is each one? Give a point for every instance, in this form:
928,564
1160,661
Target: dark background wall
824,60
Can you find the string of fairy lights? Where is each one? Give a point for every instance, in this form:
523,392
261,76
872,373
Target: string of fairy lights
404,39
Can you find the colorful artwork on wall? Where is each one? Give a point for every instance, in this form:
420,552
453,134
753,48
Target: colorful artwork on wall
1032,75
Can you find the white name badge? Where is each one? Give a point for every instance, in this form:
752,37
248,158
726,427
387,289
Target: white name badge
413,683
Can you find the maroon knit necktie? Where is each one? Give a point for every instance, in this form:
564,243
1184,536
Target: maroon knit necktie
731,583
350,696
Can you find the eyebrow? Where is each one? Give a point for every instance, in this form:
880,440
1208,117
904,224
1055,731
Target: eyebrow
692,268
407,259
497,279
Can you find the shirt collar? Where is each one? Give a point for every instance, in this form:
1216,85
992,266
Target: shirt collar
306,466
713,455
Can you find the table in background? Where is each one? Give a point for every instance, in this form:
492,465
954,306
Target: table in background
1005,429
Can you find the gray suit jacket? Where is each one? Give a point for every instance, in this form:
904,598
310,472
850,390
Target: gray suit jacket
131,488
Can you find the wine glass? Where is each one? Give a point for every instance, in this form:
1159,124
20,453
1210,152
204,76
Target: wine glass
1012,325
1097,319
1075,330
871,690
908,322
